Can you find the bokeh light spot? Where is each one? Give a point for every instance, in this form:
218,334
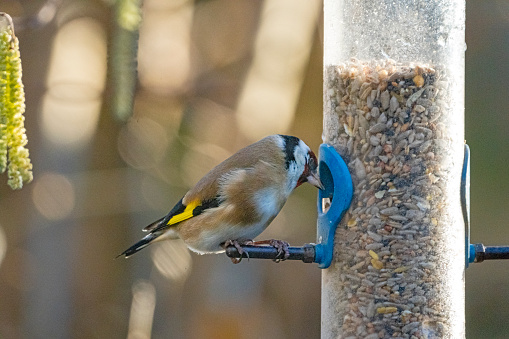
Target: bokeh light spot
3,245
172,259
53,195
142,143
76,80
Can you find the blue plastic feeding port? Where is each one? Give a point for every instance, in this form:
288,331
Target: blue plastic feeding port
465,206
333,201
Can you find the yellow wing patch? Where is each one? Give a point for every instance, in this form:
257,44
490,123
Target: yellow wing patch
187,214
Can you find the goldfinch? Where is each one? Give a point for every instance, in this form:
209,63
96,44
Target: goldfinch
237,199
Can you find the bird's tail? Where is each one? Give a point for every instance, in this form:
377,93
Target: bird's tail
144,242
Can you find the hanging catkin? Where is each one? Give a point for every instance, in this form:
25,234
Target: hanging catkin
13,154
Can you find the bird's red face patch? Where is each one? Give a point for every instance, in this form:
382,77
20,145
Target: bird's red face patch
309,168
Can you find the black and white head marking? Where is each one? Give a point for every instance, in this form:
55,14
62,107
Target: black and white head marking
297,159
289,144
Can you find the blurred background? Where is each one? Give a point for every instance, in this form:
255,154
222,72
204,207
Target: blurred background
113,149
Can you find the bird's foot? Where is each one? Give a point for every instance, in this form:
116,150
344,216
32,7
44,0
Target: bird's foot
238,245
282,248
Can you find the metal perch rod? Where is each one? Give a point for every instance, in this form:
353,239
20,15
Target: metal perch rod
305,253
490,252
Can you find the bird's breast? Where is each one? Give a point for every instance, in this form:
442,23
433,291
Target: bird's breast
268,202
206,232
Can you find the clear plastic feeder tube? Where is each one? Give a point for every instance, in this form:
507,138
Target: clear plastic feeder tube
394,109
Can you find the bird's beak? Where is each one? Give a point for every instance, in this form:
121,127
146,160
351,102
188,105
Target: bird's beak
314,180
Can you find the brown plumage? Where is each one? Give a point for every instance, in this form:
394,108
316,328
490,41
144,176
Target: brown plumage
238,198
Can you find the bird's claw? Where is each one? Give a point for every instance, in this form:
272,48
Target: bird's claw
280,245
238,245
282,249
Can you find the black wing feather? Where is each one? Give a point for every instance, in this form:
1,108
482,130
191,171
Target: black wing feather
156,228
177,209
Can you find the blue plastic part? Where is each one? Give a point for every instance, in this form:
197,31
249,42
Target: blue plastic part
471,254
465,206
338,187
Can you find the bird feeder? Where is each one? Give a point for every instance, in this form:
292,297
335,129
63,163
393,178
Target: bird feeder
394,109
394,118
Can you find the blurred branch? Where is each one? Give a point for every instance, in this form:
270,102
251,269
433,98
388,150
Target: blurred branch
125,49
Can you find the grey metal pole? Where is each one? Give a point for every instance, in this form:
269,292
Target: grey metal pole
394,109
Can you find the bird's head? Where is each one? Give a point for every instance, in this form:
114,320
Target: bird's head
300,162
